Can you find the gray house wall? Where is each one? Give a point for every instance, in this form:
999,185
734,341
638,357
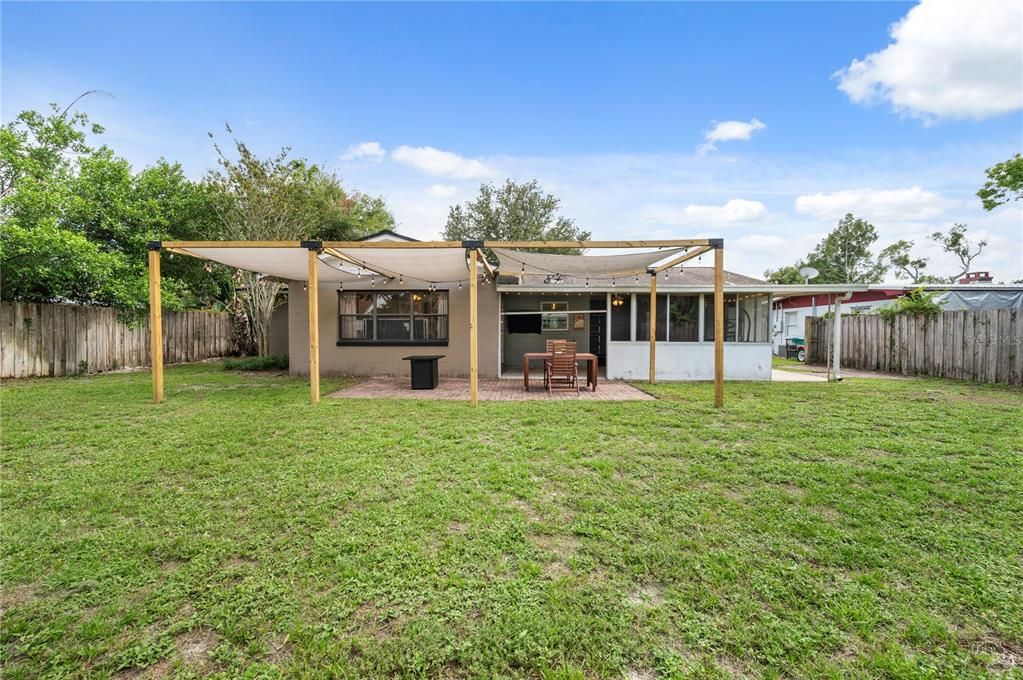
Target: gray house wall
279,332
516,344
370,360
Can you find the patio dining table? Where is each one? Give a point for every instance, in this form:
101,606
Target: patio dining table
590,359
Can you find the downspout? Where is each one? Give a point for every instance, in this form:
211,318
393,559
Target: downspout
837,332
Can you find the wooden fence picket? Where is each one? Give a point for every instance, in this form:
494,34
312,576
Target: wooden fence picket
981,345
38,340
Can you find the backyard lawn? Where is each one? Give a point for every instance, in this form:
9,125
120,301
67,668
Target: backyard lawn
869,529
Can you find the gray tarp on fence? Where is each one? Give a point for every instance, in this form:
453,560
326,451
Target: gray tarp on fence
961,300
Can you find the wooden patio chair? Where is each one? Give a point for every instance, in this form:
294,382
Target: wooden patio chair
559,372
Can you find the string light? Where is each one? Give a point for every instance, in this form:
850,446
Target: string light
459,285
401,280
373,282
612,282
340,287
587,282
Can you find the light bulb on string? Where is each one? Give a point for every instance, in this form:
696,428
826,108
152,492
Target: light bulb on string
612,283
401,280
373,282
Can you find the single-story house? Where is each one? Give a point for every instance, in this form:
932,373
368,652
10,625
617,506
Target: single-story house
368,325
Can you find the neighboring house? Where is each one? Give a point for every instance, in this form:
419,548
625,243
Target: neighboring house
367,326
972,292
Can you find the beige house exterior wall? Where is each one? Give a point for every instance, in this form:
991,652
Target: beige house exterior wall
370,360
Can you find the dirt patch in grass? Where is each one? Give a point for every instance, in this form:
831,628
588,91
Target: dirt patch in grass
1006,655
563,547
279,649
458,528
640,674
372,621
733,495
792,490
647,595
15,596
241,562
526,509
194,647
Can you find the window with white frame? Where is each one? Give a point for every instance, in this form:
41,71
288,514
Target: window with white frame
791,325
552,319
747,317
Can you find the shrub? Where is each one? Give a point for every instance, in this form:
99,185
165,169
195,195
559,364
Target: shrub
917,301
256,364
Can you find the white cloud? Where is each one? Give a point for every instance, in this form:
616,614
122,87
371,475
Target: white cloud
729,130
946,60
441,190
441,163
735,211
890,204
369,150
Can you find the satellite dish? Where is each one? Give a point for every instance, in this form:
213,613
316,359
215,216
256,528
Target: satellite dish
808,273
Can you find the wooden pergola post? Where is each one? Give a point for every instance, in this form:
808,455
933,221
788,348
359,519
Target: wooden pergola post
653,327
155,322
719,325
473,330
314,322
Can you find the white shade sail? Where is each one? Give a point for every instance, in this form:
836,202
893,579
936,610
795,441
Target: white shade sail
515,261
434,265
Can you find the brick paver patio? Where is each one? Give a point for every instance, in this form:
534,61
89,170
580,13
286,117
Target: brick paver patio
490,389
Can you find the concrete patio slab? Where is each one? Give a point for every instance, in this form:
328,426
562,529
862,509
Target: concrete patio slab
490,389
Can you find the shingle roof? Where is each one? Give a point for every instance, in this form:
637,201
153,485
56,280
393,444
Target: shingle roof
687,276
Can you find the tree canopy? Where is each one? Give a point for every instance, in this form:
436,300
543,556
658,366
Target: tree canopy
844,255
789,274
1004,183
76,218
513,212
282,198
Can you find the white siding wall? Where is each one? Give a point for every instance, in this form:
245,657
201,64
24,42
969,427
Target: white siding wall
688,361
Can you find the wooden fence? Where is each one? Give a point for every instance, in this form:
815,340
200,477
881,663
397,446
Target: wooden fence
980,345
39,340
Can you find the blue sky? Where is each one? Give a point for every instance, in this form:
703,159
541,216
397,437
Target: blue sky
611,106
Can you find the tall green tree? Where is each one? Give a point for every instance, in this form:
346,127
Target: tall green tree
956,243
282,198
898,256
513,212
76,219
844,256
1004,183
789,274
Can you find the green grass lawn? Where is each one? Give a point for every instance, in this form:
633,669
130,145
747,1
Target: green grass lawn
867,529
783,362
